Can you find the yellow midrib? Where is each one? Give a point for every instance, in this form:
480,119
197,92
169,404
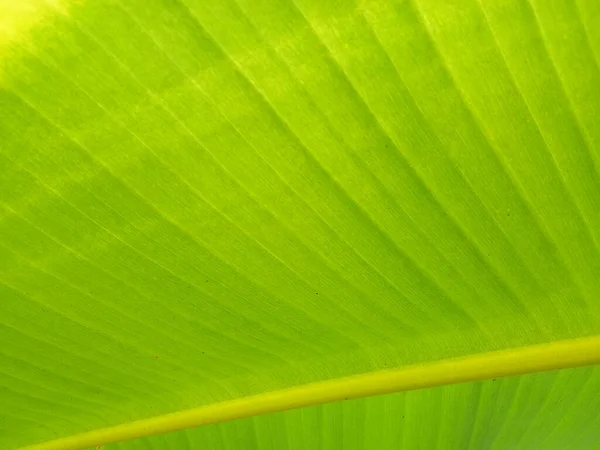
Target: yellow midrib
516,361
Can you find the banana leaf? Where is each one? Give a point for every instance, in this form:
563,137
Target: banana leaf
209,203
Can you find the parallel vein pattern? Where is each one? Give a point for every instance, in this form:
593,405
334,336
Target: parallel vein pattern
207,199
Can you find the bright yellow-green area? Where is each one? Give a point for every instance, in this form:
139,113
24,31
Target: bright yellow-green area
202,200
17,18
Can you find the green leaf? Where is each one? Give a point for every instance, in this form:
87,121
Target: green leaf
205,200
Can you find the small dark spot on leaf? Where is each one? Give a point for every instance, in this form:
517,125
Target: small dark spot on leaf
156,356
494,379
317,293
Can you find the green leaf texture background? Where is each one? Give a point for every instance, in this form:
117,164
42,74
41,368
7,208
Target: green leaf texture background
202,200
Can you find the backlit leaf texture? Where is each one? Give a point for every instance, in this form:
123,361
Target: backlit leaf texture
202,200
